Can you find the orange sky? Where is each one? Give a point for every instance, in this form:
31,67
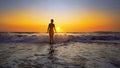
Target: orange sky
78,20
85,22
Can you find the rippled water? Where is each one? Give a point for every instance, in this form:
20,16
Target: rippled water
71,50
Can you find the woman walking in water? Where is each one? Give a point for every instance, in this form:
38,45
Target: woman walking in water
51,29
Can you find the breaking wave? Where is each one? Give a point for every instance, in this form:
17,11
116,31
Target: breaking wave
58,38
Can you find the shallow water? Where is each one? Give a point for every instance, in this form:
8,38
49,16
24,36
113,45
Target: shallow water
71,55
71,50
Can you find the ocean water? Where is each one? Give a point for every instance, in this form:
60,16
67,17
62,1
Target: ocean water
70,50
36,37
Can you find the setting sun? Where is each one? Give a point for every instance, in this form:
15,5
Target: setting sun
58,29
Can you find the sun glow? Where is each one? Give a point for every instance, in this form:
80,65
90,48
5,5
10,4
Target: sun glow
58,29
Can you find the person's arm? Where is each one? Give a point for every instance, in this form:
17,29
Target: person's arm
48,29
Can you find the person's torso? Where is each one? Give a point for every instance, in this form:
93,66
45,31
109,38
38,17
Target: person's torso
51,26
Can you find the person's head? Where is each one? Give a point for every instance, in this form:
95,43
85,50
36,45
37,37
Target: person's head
52,20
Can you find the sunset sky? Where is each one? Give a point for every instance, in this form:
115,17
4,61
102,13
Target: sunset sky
68,15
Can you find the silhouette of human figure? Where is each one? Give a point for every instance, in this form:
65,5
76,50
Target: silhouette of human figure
51,29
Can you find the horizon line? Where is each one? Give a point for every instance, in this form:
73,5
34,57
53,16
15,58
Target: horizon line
55,32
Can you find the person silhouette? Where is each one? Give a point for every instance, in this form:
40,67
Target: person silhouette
51,29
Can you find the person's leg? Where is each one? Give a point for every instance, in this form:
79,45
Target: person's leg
52,37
